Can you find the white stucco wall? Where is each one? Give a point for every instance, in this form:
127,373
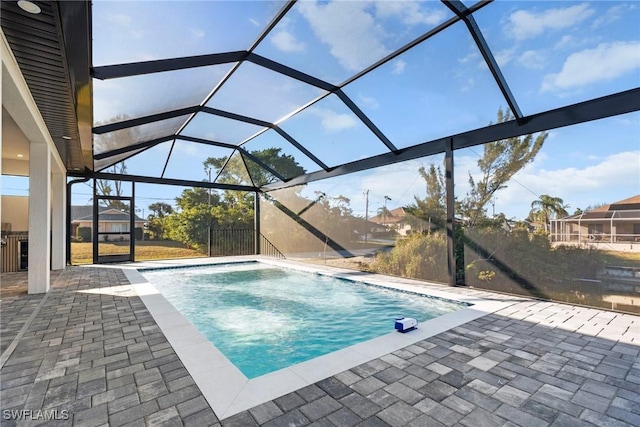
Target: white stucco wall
15,210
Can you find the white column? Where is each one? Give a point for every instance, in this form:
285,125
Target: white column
2,53
39,217
58,222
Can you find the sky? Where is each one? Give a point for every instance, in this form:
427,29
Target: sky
551,54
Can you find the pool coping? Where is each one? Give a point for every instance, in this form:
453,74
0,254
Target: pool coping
228,391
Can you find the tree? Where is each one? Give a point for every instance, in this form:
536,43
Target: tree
240,169
106,187
384,213
196,196
157,218
500,161
201,209
545,208
105,142
160,209
432,208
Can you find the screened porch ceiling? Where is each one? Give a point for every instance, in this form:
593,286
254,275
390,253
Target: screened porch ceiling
338,86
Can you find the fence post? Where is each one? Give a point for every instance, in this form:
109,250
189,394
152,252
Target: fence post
256,223
209,233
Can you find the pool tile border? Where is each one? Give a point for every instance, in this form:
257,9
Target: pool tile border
229,392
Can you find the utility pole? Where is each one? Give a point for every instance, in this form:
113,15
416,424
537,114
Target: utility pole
384,210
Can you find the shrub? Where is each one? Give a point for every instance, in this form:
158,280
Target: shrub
418,256
519,262
508,261
84,234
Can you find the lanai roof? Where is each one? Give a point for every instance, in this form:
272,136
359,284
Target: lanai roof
231,79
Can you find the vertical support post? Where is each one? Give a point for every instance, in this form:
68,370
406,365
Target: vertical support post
612,229
256,222
579,230
94,228
209,213
132,223
39,218
1,73
68,222
451,241
58,223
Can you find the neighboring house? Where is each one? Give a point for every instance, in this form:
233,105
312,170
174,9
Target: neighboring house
110,220
617,223
395,220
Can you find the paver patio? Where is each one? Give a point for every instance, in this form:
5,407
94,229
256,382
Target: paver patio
98,358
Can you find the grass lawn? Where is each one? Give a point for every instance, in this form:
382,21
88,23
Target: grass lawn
622,259
82,253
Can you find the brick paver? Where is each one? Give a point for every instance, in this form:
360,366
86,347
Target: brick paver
98,357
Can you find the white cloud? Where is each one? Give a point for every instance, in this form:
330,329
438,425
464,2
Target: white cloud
369,101
409,12
401,182
533,59
106,100
287,42
502,57
569,42
119,19
468,85
577,186
618,171
191,150
197,33
125,21
144,56
472,56
137,34
398,66
613,14
332,121
524,24
352,34
565,41
605,62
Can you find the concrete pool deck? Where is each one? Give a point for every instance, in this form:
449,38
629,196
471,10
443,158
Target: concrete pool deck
92,348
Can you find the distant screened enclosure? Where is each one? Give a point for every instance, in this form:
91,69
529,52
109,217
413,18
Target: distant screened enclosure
434,140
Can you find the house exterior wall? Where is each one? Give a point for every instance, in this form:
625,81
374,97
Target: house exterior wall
403,229
15,211
605,230
107,227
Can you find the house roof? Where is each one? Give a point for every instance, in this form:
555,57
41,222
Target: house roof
624,209
622,205
393,217
85,213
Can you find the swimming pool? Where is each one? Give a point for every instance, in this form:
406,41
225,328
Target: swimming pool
264,318
228,391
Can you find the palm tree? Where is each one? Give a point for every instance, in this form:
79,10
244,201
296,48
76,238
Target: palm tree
545,208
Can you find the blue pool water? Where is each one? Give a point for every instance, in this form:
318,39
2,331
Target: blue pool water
264,318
